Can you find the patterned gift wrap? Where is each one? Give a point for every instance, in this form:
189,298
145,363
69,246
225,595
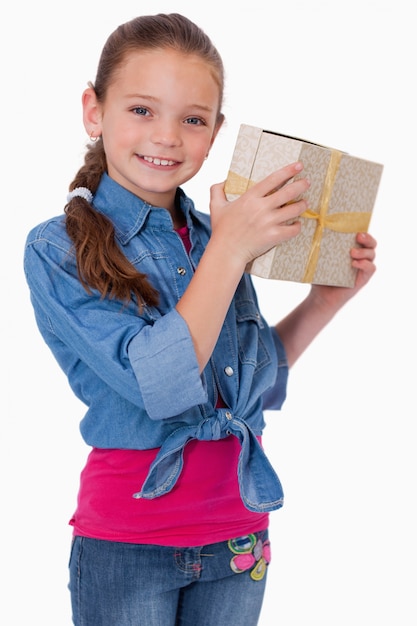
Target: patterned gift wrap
341,200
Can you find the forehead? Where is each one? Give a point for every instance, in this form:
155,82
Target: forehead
142,64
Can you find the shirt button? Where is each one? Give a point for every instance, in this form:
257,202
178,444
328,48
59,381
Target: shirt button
228,371
229,416
181,271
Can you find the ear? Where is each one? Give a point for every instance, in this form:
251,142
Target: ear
91,113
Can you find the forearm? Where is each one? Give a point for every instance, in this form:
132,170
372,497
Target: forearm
241,230
206,301
300,327
305,322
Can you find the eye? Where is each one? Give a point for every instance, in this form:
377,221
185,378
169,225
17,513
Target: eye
140,111
195,121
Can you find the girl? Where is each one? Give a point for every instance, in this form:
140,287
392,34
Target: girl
145,304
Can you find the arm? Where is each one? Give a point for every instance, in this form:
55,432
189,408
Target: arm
105,348
241,230
298,329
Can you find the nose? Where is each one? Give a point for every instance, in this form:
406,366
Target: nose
166,133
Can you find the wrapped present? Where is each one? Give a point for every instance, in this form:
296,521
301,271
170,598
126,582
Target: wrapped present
341,198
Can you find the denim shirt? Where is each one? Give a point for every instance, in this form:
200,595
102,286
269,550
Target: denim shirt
137,373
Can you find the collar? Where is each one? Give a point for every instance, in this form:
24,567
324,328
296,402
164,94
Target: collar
129,213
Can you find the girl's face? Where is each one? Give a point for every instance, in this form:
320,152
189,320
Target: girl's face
158,122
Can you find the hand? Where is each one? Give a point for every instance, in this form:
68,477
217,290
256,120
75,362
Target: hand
363,259
262,217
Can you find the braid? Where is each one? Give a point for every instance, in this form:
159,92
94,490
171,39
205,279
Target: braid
100,262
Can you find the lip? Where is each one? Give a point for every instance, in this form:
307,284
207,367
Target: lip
160,162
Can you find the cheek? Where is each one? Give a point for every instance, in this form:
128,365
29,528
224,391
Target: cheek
118,133
200,150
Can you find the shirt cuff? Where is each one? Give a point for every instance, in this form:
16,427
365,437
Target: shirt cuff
166,368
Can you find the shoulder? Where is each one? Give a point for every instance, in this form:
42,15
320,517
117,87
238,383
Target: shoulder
51,231
48,245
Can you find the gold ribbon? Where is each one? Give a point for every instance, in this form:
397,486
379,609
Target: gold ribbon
348,222
237,184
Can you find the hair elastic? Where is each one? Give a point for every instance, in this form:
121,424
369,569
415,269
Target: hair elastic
80,192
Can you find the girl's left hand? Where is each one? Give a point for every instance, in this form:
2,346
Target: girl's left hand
363,259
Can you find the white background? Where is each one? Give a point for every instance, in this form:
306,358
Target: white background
338,73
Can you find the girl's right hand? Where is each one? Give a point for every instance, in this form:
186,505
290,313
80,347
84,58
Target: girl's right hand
262,217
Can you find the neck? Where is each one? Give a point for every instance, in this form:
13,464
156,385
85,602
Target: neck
177,216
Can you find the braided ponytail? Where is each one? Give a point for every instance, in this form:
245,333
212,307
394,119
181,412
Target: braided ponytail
100,262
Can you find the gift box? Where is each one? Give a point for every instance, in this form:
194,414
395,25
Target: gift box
341,199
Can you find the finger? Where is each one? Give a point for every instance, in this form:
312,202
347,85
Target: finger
217,192
363,253
288,230
290,193
366,266
366,240
277,179
287,213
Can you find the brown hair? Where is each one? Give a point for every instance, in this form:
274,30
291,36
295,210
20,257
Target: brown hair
101,263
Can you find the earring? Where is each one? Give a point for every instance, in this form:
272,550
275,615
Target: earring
93,138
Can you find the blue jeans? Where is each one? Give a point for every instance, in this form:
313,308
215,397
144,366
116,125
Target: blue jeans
122,584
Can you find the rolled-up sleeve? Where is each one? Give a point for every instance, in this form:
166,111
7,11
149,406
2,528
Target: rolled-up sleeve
165,364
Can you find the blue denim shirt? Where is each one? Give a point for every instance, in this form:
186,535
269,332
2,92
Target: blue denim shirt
138,373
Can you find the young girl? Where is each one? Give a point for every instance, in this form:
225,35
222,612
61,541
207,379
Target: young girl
145,304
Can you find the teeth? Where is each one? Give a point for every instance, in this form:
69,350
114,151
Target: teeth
157,161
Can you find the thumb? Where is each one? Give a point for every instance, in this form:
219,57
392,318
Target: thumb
218,199
217,195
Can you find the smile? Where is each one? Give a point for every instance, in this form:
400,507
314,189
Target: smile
157,161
